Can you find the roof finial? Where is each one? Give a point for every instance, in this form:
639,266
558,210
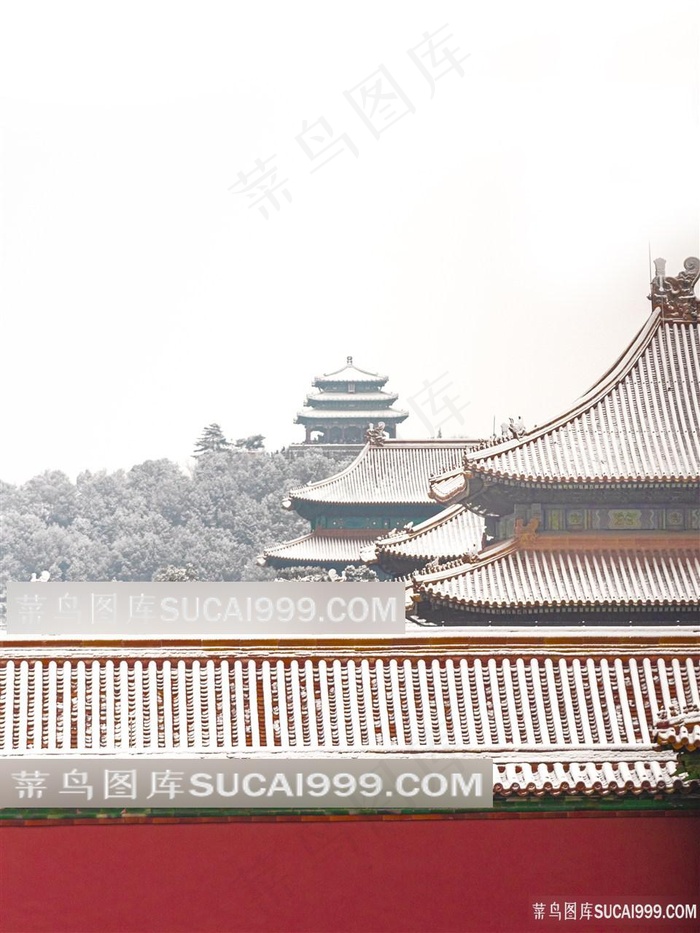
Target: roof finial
676,295
660,272
349,361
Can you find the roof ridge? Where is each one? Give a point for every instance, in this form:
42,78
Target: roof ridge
322,482
377,377
366,461
611,378
637,423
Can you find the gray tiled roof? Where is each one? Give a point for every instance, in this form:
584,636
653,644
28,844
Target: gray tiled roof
395,472
451,534
321,547
639,423
509,576
366,414
351,373
368,399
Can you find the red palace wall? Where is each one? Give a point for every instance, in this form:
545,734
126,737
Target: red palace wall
474,874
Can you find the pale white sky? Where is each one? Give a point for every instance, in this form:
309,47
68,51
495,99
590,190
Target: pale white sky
497,232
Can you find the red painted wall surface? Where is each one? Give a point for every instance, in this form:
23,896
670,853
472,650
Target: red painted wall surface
413,875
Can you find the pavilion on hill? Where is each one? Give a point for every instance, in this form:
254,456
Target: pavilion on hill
385,487
345,404
593,517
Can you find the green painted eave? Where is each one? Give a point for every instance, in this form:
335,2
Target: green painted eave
563,804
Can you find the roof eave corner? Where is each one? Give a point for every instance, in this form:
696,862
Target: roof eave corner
368,555
450,495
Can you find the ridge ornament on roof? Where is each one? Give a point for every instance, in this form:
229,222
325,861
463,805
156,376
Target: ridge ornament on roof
637,424
675,295
525,534
376,436
678,727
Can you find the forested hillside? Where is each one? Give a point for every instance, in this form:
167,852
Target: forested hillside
129,525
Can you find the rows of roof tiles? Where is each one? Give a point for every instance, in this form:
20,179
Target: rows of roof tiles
395,472
322,546
640,422
452,533
575,709
513,577
604,779
370,397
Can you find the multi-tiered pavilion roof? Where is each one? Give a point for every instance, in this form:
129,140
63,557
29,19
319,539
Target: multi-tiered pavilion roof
386,486
346,403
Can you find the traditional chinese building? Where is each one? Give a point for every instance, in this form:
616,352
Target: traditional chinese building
345,404
386,487
592,517
453,534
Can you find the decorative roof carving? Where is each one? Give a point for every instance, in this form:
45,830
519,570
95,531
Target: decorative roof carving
678,727
512,428
376,436
675,295
442,535
525,534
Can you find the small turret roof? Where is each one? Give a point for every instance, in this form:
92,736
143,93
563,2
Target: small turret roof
350,373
